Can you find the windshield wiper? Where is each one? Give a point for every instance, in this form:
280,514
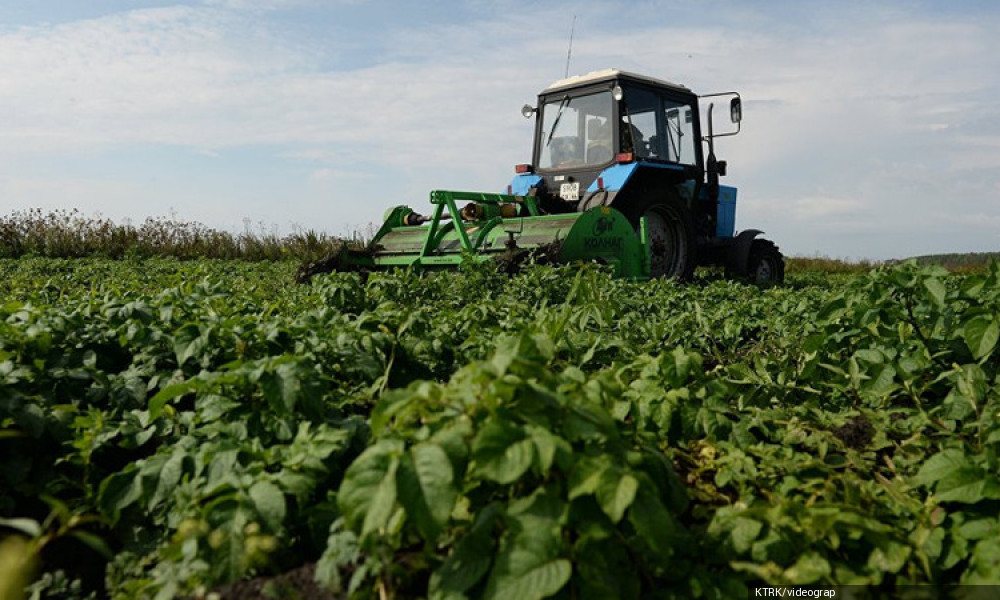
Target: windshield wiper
555,124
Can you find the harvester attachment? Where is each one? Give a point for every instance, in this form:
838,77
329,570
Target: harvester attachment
508,229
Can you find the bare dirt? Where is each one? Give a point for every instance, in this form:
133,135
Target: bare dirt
297,584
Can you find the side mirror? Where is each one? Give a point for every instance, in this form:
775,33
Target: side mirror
528,110
735,110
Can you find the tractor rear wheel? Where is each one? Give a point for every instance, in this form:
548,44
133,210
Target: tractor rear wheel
766,265
671,238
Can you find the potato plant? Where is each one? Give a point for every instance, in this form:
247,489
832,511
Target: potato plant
170,427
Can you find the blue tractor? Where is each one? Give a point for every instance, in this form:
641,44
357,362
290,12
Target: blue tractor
618,175
635,144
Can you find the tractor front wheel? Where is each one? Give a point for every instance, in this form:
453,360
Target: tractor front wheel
671,238
766,265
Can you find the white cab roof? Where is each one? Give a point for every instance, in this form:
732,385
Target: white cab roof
578,80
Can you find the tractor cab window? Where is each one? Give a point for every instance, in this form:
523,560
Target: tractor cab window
576,132
656,127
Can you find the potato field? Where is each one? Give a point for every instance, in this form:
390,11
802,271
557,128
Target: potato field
174,428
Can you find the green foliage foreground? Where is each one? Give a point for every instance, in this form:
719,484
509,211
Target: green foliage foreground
469,435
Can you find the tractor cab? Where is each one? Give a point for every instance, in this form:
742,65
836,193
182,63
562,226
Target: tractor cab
588,124
635,144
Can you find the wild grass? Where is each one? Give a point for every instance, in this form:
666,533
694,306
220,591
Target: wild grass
960,263
70,234
826,264
968,262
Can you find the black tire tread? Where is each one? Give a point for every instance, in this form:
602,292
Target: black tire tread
673,204
759,250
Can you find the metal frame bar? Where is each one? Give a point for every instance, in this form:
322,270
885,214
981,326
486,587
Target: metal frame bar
447,199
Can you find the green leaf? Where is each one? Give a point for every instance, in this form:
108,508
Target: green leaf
968,486
158,401
221,468
94,542
119,491
586,475
214,406
342,550
870,355
955,478
981,334
537,583
502,452
655,525
809,568
984,568
743,533
28,527
281,387
471,558
616,493
547,446
270,504
522,352
231,563
535,540
936,289
889,557
603,569
425,488
940,465
169,476
367,495
978,529
189,342
883,382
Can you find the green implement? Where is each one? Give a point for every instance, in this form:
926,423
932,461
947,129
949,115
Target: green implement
621,173
499,227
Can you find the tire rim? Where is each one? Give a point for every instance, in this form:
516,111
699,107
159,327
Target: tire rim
667,242
764,272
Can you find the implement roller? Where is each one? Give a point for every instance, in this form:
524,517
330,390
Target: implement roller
618,175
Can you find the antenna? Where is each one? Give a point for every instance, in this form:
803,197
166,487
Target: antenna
569,52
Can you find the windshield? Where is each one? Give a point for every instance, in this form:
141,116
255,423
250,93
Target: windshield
656,127
576,132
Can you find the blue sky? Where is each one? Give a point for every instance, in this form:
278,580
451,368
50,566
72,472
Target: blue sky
871,129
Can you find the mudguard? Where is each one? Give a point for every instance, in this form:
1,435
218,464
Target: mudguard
739,254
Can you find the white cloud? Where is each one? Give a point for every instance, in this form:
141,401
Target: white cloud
819,207
851,120
973,222
185,76
332,175
268,5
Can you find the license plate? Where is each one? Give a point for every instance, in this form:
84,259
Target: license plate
570,191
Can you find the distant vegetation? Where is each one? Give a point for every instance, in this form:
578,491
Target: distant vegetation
968,261
70,234
825,264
